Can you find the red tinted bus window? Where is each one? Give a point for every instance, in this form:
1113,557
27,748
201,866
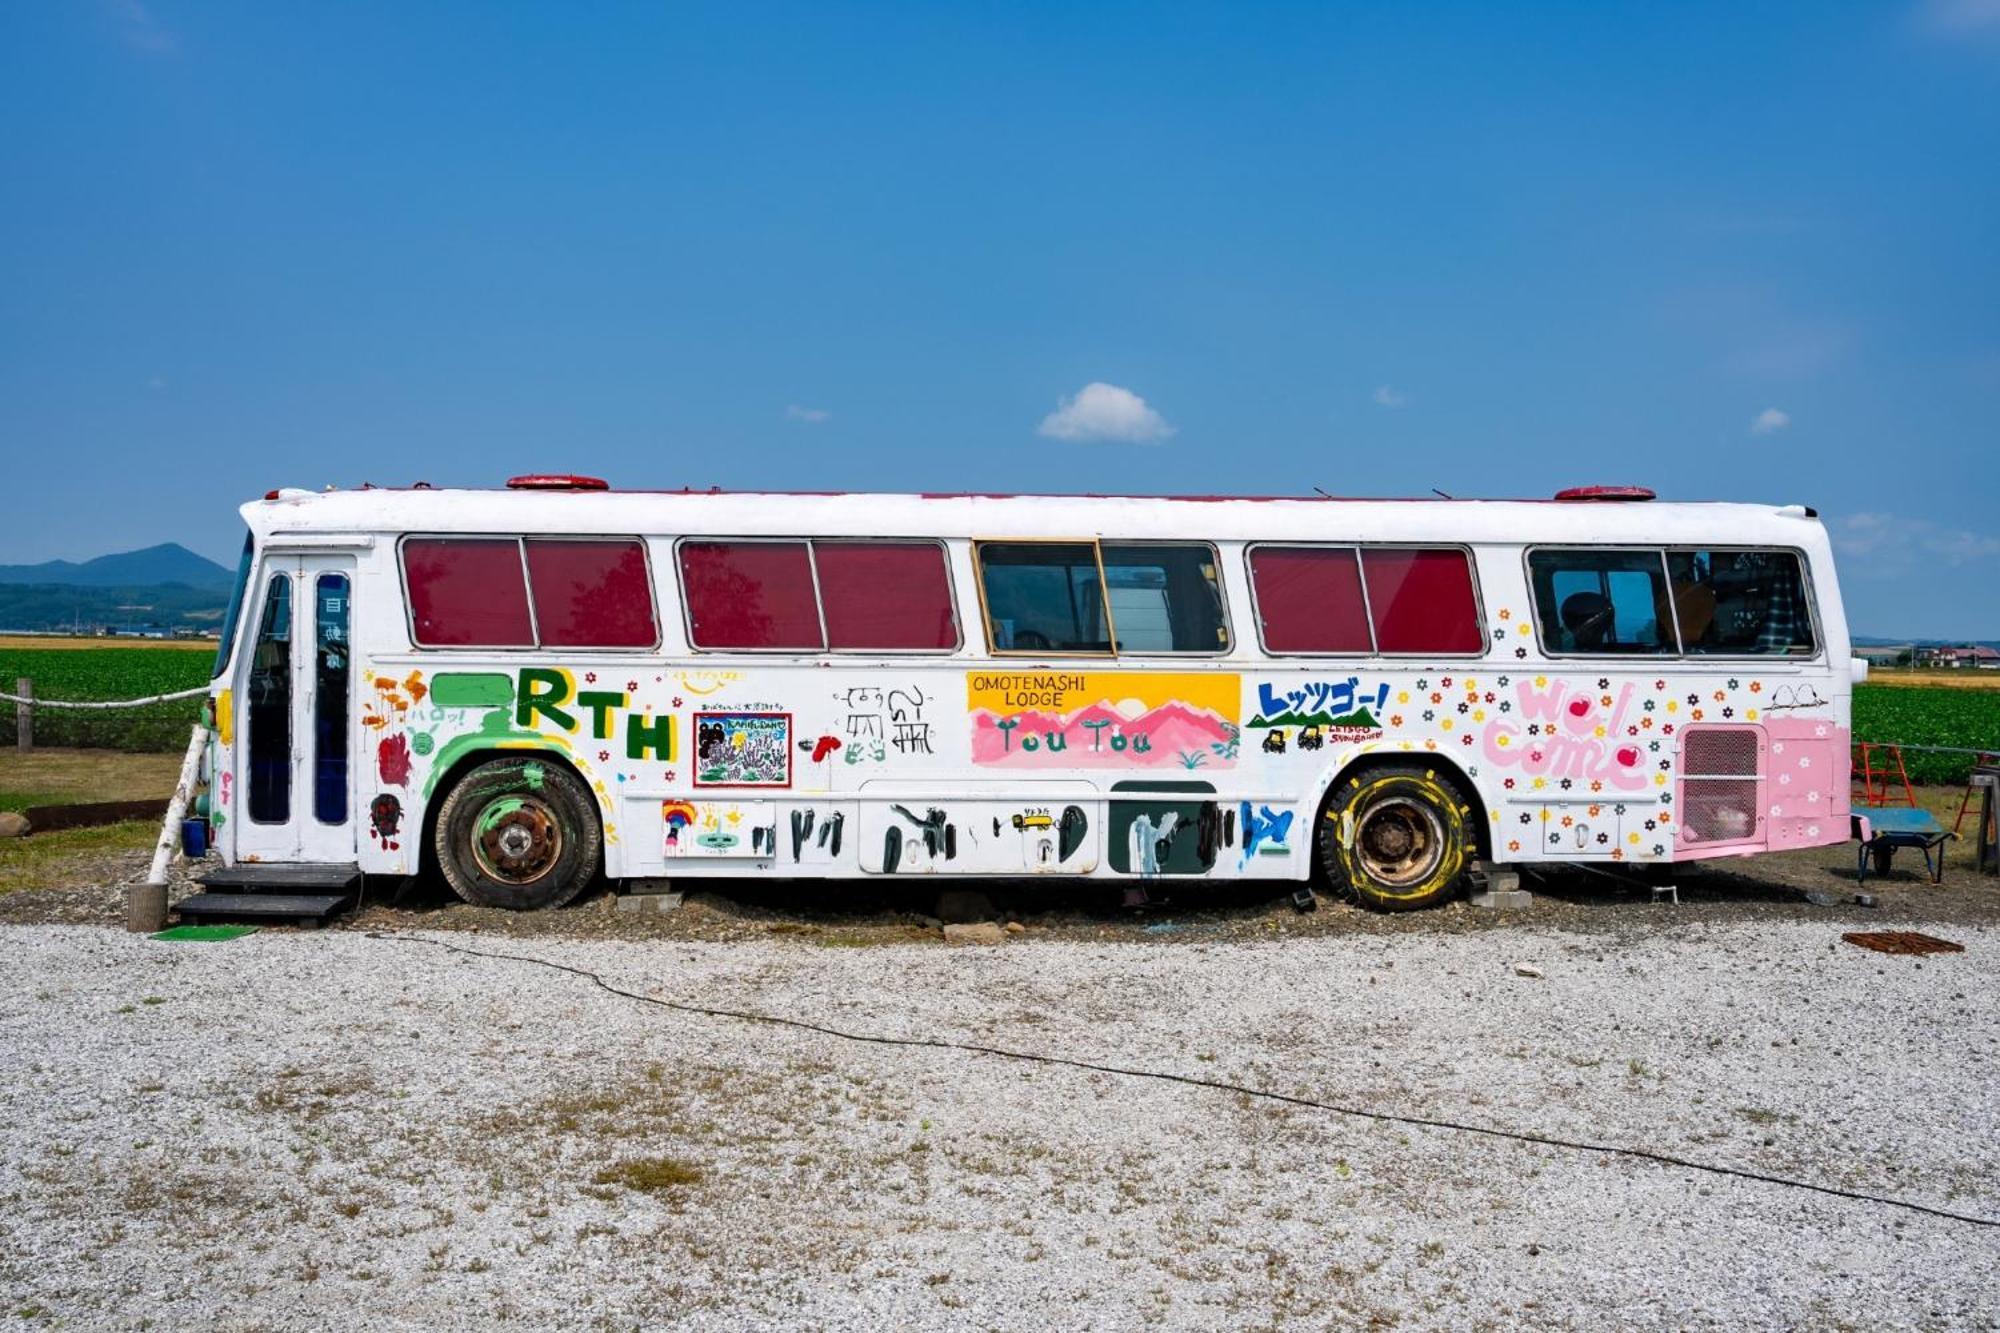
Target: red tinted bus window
1422,600
749,595
467,593
591,594
885,595
1309,599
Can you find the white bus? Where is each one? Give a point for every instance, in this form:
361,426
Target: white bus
526,688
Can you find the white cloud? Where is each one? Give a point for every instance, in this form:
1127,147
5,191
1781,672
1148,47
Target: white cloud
1956,17
1894,544
812,416
1103,411
1388,395
137,28
1770,421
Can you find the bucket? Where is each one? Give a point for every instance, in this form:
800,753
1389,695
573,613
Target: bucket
194,838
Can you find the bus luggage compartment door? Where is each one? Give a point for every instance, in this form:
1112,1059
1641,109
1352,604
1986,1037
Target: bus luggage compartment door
1058,832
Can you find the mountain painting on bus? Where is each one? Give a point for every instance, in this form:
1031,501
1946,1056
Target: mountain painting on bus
1103,719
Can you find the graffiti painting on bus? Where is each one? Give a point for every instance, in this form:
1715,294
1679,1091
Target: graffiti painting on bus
1322,711
1103,719
743,749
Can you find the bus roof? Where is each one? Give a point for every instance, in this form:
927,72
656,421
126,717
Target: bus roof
1216,518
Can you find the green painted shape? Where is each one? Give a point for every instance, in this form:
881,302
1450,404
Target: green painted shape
423,743
472,689
498,810
645,735
544,691
494,731
177,933
534,775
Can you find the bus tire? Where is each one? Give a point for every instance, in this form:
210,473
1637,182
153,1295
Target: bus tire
518,833
1396,837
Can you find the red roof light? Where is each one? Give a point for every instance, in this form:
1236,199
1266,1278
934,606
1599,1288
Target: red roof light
556,481
1605,493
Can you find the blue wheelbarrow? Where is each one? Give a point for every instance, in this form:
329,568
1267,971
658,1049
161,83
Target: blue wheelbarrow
1882,829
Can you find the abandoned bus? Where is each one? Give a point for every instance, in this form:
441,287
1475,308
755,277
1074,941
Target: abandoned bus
525,688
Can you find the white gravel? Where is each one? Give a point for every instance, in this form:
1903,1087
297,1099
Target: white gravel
331,1131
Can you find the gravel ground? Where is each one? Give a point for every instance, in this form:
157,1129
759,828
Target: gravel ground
312,1130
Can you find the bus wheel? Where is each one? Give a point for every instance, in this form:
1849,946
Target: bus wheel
518,833
1396,838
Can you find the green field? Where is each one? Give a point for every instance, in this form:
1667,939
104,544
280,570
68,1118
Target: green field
106,673
1929,715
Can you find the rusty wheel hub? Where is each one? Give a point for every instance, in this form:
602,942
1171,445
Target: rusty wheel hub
1400,842
518,839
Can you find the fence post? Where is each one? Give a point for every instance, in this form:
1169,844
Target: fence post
24,715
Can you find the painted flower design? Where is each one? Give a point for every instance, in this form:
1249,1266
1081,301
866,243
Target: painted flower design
1729,712
1520,652
590,677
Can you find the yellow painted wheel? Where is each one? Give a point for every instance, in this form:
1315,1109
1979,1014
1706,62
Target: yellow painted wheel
1396,838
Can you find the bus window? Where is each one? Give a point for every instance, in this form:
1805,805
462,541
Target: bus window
1164,598
1750,603
1044,597
467,593
1421,600
270,712
330,668
756,595
1309,599
591,594
235,611
1601,601
885,596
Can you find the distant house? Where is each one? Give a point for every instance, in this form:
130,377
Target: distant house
1969,655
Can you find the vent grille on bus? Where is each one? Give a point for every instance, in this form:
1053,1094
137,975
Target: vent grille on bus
1720,791
1719,754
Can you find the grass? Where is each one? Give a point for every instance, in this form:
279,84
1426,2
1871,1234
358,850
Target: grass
60,777
1969,679
98,672
65,776
74,642
651,1175
72,856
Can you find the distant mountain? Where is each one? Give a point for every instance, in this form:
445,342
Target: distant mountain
166,563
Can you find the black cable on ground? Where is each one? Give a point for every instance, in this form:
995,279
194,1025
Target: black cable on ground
1212,1084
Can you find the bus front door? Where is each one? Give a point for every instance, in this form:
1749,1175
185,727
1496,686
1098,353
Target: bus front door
294,797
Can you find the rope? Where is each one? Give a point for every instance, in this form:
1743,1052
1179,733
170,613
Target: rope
1214,1085
119,703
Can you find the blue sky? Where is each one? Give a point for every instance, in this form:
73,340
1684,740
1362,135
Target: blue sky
1734,252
